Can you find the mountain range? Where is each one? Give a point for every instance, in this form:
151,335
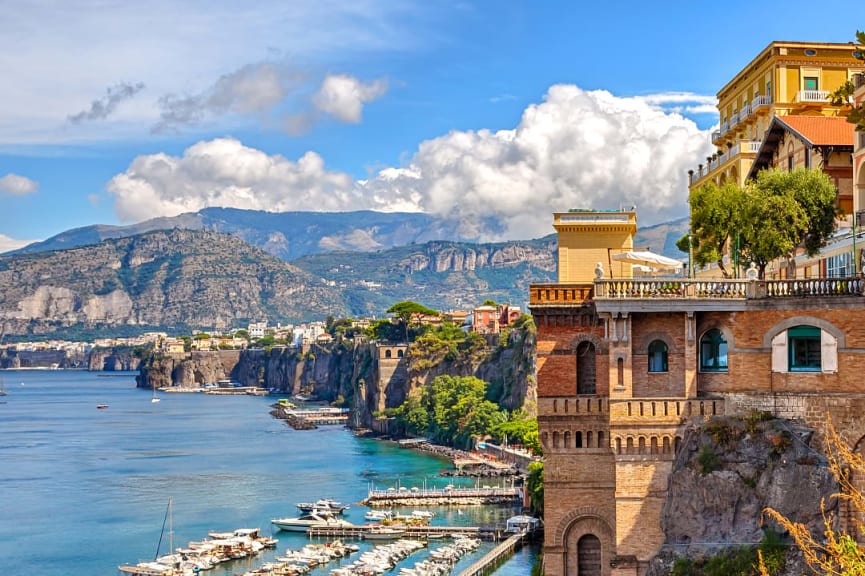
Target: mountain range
222,268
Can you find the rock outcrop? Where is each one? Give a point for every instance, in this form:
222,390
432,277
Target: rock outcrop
727,472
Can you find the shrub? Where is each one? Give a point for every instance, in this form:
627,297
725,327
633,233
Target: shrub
708,460
683,567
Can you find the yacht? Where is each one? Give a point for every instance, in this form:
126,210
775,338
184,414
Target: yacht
322,506
303,523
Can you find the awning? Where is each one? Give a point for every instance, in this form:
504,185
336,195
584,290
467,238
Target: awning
646,258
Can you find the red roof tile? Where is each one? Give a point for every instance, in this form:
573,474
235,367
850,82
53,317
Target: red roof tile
822,130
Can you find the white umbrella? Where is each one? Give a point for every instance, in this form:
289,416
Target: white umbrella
646,258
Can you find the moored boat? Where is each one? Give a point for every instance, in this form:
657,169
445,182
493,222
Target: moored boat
307,521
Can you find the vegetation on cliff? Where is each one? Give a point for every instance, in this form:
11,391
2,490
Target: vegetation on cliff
837,553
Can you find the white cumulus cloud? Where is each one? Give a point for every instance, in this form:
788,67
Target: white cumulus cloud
17,185
343,96
224,172
576,149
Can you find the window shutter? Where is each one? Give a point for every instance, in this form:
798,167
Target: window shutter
828,352
779,352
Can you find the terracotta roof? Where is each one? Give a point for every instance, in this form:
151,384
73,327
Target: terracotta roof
821,130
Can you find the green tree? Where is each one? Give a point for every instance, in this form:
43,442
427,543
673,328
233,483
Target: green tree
842,96
715,219
783,211
535,486
405,311
242,333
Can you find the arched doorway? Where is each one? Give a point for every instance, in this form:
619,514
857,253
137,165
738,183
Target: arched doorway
586,368
589,556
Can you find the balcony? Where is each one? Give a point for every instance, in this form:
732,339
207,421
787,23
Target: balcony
716,136
812,96
726,289
547,295
760,102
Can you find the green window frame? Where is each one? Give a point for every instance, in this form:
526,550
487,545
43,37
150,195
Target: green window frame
658,356
804,349
713,351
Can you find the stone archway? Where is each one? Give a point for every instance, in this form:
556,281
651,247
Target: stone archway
587,543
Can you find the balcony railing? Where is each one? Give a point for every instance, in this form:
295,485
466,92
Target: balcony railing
759,102
858,80
558,294
716,135
812,96
727,289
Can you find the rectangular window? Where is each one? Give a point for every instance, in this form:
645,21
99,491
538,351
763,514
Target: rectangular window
804,349
769,90
840,266
811,83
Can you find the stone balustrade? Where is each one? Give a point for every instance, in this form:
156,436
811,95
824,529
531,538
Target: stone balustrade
727,289
557,294
574,405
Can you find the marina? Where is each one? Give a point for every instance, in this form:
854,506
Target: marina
224,464
448,496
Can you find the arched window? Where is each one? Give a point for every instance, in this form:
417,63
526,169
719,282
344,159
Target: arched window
803,345
658,356
586,368
713,351
399,353
387,353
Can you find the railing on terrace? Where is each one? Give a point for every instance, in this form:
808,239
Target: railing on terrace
559,293
759,102
661,408
753,146
583,404
716,135
727,289
812,96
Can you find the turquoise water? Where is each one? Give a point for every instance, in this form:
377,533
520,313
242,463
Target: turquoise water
83,490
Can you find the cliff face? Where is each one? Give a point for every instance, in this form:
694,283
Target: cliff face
167,278
727,471
114,359
356,371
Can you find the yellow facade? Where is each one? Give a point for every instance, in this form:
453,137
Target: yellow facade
786,78
587,237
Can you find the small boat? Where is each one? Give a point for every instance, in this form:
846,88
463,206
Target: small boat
101,406
379,515
322,506
384,533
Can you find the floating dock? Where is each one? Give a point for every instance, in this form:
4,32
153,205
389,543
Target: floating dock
359,532
492,559
439,497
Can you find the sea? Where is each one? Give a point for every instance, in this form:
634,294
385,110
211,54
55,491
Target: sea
84,490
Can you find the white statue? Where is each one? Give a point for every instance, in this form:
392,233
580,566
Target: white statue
751,273
599,271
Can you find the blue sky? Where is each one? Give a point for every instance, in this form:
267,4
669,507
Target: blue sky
492,113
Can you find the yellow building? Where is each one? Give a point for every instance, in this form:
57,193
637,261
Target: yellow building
591,237
785,79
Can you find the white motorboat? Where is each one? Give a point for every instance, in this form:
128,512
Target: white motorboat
322,506
307,521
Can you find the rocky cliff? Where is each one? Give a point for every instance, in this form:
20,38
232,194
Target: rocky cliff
354,373
727,472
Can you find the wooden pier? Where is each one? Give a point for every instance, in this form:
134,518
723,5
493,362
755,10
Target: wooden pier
437,496
492,559
360,531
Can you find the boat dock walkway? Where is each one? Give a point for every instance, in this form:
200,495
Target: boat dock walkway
433,496
410,531
492,559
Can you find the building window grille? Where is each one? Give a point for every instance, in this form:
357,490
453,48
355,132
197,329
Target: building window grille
713,351
658,356
803,346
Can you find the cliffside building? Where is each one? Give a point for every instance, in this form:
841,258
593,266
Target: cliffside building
785,79
623,364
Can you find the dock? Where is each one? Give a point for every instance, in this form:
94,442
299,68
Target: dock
439,497
360,531
492,559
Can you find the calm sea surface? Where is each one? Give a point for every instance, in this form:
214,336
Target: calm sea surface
83,490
